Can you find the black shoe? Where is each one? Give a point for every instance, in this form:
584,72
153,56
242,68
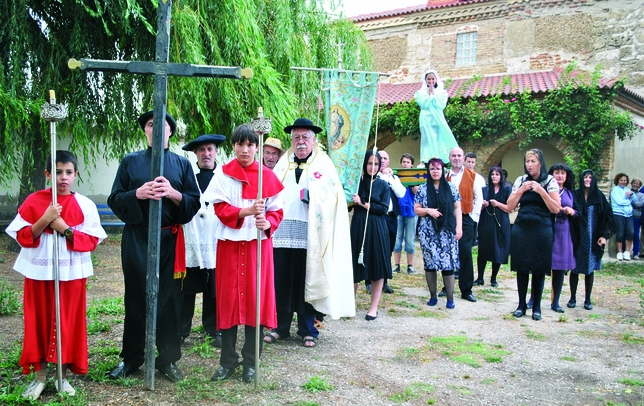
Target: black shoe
572,304
387,289
442,293
519,312
123,370
370,318
216,340
248,375
223,373
171,372
588,306
557,308
478,282
469,298
494,284
536,316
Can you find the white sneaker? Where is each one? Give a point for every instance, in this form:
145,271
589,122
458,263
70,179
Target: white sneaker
33,390
620,256
67,388
627,255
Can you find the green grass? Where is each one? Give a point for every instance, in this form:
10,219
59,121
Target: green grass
98,326
463,390
9,359
631,382
104,356
467,351
631,339
632,269
626,290
413,391
201,390
535,335
430,314
112,306
407,304
204,348
317,384
9,300
493,295
568,358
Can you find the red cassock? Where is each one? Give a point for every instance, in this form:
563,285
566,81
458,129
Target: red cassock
39,301
236,260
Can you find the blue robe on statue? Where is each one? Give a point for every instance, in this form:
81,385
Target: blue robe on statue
436,138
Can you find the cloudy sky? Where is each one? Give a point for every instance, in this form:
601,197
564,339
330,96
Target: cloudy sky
356,7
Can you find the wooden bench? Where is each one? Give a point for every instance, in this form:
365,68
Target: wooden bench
108,218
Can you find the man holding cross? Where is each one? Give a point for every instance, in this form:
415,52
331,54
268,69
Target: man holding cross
130,199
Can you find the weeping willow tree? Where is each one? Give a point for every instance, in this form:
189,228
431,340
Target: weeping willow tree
39,36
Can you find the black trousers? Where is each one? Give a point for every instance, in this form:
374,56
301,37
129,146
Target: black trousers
208,314
290,279
229,356
466,272
169,300
197,281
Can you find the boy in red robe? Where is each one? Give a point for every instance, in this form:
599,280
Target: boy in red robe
234,192
78,224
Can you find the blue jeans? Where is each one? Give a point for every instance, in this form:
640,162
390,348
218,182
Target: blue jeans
407,229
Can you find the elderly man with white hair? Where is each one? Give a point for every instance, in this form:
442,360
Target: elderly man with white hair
312,248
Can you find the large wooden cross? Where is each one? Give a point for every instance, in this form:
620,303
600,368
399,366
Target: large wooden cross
161,69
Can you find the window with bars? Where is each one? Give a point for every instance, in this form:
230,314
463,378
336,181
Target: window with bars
466,48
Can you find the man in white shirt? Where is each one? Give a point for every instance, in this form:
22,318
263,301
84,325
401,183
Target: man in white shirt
470,188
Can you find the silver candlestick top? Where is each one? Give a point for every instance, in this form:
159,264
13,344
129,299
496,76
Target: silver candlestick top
261,124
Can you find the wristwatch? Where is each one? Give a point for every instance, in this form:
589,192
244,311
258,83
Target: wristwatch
68,233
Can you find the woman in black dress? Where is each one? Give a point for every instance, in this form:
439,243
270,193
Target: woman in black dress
371,204
532,234
494,226
596,224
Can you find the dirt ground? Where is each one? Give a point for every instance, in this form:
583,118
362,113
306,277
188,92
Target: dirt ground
475,354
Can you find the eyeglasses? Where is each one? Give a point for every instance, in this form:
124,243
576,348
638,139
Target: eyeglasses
304,137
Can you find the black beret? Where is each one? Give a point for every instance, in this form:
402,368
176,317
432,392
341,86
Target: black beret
204,139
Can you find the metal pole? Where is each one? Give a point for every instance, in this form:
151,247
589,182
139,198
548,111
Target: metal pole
52,112
339,70
261,126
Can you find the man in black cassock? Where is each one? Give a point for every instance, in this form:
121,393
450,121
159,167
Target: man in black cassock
132,190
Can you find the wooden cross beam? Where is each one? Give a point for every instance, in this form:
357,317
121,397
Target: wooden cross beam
161,69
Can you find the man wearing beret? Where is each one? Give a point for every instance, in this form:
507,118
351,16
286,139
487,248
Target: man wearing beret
132,191
272,152
311,246
201,245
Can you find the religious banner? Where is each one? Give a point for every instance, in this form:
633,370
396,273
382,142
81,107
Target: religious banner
350,98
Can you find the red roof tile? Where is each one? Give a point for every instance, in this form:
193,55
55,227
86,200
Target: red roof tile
413,9
535,82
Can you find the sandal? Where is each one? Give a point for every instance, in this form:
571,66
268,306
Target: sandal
272,337
306,341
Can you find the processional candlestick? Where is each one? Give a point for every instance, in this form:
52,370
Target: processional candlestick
262,126
52,113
